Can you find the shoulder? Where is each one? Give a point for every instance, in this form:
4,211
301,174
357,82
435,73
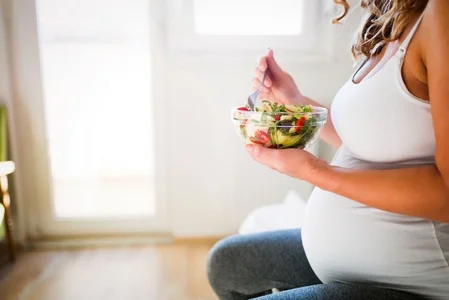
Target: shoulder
435,23
437,9
434,27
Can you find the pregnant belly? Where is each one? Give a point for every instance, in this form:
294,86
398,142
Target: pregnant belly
350,242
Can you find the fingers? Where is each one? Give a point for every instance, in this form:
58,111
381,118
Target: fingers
272,64
256,84
262,64
279,160
259,75
269,157
262,67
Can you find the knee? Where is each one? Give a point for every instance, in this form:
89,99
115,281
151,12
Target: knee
221,260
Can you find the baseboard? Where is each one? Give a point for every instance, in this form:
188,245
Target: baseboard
198,240
113,241
67,243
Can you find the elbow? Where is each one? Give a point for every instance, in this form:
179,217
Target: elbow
445,213
443,172
445,207
442,210
445,176
442,166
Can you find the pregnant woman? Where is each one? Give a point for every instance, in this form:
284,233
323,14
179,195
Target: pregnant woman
377,224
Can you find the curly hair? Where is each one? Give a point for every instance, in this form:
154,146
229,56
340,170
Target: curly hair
385,22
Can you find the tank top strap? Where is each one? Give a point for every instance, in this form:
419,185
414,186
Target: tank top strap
409,37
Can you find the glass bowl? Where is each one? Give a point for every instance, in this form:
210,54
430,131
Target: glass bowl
280,126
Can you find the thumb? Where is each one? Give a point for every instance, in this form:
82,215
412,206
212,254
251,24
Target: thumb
273,66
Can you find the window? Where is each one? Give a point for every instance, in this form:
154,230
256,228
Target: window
248,17
96,73
246,25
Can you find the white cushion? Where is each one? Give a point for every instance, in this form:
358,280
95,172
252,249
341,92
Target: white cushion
285,215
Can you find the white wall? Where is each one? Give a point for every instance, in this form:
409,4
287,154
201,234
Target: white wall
213,184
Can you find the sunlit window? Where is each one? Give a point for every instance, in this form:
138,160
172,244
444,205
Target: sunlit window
96,70
248,17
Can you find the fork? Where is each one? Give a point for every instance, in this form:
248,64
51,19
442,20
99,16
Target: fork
252,99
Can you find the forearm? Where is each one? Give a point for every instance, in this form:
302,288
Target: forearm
417,191
329,134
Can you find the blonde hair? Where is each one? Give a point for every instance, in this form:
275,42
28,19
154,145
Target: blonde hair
385,22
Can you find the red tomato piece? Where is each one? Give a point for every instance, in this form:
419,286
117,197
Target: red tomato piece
300,124
263,136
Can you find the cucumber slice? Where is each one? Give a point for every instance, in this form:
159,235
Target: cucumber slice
286,118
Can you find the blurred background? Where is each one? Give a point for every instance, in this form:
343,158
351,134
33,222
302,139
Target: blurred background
119,163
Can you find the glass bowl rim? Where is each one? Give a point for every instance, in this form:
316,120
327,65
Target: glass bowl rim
316,110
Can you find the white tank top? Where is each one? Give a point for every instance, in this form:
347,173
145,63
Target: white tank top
382,126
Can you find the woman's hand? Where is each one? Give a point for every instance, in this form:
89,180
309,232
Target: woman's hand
279,86
295,163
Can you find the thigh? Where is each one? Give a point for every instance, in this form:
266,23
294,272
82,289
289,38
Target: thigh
250,264
336,291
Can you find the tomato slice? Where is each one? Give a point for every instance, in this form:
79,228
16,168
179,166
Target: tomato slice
277,117
300,124
263,136
243,108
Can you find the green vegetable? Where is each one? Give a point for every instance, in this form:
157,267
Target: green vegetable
288,126
283,141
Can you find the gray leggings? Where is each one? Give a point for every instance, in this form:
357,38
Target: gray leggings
250,266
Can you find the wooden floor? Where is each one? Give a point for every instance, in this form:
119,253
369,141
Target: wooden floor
162,272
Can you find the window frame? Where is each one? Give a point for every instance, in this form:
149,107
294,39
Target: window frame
182,38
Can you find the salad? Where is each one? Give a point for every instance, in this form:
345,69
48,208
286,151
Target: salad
279,126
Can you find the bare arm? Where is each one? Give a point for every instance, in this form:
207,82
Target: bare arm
420,192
